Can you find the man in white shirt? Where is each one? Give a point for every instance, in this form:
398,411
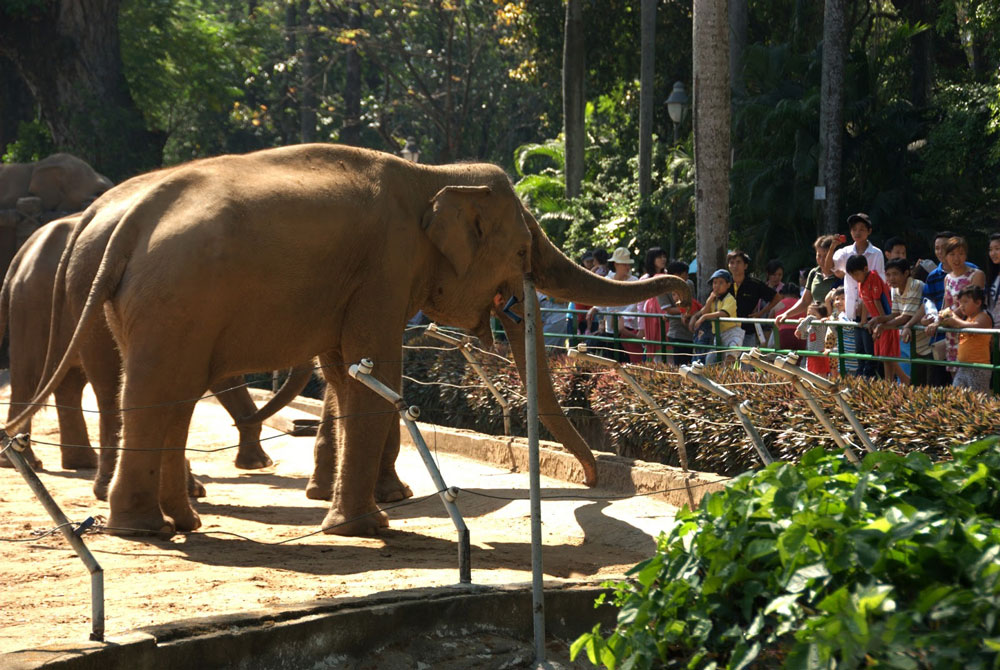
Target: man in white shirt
861,227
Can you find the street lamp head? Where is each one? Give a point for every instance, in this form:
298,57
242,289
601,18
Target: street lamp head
677,103
410,151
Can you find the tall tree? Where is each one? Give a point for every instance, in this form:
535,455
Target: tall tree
307,92
68,53
711,135
739,18
831,113
646,69
573,96
351,132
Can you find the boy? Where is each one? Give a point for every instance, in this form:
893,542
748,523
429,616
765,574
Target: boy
972,347
861,228
874,294
677,332
721,303
907,310
895,247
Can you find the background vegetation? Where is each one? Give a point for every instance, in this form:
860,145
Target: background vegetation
480,79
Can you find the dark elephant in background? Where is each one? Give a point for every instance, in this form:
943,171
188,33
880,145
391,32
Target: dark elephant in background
234,264
64,183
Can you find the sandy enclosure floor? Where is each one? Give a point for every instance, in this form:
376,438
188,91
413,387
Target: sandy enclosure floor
45,593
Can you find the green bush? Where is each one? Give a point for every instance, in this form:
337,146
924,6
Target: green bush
895,564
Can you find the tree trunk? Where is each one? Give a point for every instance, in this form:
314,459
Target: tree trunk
16,104
648,20
307,94
573,96
351,132
68,53
739,19
711,136
831,113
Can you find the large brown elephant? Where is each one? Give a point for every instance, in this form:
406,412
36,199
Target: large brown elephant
62,181
24,300
240,263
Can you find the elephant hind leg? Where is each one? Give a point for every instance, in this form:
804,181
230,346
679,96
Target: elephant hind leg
77,454
320,486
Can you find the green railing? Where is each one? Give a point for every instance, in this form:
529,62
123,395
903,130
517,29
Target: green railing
841,355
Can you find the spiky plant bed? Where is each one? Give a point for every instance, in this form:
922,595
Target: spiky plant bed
612,418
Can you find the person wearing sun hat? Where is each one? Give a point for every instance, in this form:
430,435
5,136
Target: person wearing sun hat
628,326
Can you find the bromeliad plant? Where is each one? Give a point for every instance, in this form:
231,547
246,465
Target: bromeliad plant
895,564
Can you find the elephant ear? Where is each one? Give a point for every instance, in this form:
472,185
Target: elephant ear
452,223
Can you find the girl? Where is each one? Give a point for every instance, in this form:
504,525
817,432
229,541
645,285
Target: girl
972,347
960,275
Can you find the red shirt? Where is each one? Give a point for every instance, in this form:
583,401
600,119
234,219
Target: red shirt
874,292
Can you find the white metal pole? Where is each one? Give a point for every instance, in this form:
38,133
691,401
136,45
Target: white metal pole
534,480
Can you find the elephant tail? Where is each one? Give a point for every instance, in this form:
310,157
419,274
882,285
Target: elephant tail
297,380
105,283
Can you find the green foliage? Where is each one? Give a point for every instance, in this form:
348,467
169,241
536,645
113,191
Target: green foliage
895,564
185,66
33,143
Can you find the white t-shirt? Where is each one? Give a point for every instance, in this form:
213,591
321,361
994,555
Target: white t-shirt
876,263
627,321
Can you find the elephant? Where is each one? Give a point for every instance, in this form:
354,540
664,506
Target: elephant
27,286
62,181
237,263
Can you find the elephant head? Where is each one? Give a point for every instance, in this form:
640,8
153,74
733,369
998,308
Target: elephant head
488,241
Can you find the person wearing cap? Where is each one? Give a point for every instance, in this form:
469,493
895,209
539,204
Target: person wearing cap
628,326
861,228
720,303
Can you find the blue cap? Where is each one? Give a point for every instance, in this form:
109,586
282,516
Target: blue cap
724,274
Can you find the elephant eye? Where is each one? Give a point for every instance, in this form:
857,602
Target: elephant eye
522,253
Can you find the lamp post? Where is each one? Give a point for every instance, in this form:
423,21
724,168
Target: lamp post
410,151
677,105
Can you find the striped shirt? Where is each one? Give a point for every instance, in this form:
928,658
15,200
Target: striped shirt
909,301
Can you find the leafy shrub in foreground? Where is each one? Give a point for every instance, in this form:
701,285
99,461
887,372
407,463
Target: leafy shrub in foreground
895,564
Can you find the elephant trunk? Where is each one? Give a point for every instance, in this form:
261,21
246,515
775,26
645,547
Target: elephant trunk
549,411
562,279
296,381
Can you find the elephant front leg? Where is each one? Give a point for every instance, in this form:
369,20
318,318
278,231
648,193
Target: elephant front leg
361,435
389,487
233,395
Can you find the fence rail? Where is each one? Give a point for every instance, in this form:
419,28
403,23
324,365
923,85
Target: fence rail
841,355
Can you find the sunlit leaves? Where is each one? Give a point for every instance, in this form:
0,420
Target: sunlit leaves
906,577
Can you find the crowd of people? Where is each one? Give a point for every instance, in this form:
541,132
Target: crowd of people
880,302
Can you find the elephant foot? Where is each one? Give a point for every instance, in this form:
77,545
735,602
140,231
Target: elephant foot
101,485
195,488
252,458
141,523
29,457
391,489
79,459
318,490
184,517
362,523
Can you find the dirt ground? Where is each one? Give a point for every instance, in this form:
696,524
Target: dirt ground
233,563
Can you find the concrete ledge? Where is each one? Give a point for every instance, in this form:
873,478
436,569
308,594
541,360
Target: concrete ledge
332,633
615,474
